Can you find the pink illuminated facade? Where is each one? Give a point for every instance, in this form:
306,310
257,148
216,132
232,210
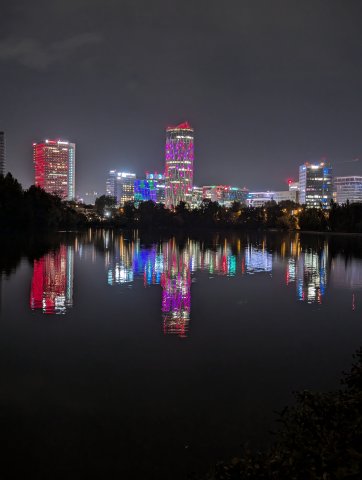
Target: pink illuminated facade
179,169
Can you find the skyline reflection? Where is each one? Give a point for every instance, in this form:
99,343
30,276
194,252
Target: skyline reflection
174,266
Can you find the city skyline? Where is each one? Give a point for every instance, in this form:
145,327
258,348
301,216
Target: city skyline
259,88
54,171
346,168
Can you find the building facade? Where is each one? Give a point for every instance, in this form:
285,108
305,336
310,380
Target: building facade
145,190
259,199
315,185
2,153
121,186
54,164
236,194
125,187
294,187
159,179
197,196
347,188
179,168
111,184
215,193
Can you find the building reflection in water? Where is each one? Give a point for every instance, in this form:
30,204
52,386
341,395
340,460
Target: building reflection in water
173,266
176,289
307,269
52,282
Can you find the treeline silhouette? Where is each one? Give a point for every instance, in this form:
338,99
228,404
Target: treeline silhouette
285,215
33,208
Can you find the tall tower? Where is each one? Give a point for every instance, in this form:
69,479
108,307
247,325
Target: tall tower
2,153
179,169
54,164
111,184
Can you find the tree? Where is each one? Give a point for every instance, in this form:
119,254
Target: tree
103,202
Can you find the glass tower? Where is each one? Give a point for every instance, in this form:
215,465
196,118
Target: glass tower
125,187
315,185
179,167
54,164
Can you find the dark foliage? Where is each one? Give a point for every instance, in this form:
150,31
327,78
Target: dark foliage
320,438
105,202
33,208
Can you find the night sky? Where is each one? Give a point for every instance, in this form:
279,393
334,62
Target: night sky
266,84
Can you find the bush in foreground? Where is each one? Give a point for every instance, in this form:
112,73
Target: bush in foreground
320,438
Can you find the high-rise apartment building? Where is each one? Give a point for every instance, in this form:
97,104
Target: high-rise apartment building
54,164
125,187
179,166
120,185
2,153
347,188
315,185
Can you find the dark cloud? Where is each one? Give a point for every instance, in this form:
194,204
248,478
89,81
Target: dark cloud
267,84
32,53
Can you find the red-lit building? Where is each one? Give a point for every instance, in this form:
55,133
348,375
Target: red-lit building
54,164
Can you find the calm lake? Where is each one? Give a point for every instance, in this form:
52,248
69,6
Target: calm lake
130,355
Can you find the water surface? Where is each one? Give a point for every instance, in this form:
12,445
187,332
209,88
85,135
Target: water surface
125,355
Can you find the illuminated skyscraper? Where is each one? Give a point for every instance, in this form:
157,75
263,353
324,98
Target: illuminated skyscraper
121,186
54,164
2,153
315,185
111,184
125,187
179,168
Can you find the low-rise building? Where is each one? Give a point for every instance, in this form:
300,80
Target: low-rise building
347,188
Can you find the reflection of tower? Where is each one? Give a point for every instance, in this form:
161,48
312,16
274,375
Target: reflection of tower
120,267
311,276
258,260
52,283
176,294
